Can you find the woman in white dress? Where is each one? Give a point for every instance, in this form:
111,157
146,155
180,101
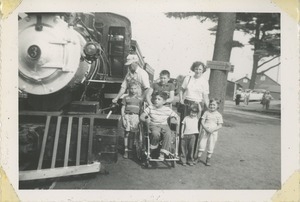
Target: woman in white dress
195,88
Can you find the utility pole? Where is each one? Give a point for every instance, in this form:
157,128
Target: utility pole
220,65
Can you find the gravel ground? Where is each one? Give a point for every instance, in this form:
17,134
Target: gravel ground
247,156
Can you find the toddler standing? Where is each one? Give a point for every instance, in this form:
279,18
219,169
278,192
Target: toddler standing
212,121
189,131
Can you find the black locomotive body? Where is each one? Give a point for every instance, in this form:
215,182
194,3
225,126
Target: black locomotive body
71,65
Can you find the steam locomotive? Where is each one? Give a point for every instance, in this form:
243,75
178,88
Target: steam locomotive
71,65
73,56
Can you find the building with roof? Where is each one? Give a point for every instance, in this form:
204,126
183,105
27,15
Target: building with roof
262,81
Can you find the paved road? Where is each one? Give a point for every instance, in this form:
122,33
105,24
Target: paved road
247,156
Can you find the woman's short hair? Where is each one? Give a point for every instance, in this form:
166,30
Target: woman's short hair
197,64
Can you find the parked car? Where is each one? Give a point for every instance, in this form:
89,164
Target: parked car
255,94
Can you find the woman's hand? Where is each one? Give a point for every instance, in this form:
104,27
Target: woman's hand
181,101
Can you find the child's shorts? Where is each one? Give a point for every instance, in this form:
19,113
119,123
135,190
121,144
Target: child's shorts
131,122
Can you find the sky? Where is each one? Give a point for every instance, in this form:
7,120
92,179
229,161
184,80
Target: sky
174,44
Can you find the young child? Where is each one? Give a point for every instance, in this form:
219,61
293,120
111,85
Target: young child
246,97
162,86
157,116
189,131
130,113
212,121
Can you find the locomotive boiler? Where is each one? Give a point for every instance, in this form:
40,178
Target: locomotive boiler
71,65
73,56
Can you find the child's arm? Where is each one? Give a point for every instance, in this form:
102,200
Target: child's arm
217,128
124,124
219,123
182,129
203,125
203,121
123,110
149,96
123,107
171,98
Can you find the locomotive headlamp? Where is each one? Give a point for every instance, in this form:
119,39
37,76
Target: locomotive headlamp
91,51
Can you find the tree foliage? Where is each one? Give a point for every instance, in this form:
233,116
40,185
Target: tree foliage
201,16
263,28
265,31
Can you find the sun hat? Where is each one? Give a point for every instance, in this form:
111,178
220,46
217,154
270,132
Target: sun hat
131,59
